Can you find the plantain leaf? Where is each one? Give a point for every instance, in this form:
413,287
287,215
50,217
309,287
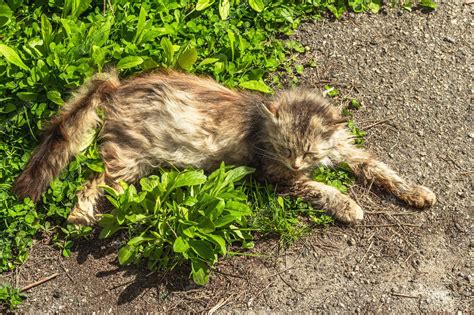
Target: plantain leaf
12,57
129,62
256,86
187,58
257,5
224,9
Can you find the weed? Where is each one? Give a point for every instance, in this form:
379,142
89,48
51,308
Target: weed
10,297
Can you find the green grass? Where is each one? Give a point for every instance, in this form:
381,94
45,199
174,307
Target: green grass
49,48
10,297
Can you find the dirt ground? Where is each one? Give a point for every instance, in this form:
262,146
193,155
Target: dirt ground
413,73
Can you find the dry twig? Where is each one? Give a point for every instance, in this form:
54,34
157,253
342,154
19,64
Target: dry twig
377,123
39,282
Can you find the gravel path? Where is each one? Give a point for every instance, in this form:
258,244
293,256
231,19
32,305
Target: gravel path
413,74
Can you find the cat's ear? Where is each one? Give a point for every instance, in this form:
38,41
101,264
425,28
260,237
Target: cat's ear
270,109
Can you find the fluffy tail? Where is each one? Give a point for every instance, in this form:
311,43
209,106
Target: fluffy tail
65,136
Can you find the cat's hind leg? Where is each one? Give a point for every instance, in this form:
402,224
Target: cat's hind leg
83,212
372,170
329,198
120,164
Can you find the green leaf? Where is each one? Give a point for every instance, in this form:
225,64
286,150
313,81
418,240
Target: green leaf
129,62
218,240
187,57
238,208
46,30
5,14
224,8
190,178
256,86
125,254
203,249
97,167
208,61
12,57
180,245
168,48
27,96
231,36
200,272
203,4
224,220
374,6
55,97
139,239
429,4
140,24
257,5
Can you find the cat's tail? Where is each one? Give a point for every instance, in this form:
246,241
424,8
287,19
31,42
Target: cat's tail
65,136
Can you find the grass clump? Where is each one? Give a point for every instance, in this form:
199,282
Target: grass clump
10,297
181,216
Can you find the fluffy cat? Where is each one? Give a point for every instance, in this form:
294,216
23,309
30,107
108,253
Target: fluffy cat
169,118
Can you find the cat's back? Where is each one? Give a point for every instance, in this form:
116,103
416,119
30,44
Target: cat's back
185,119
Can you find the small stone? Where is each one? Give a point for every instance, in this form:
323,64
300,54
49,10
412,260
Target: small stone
351,242
449,39
471,135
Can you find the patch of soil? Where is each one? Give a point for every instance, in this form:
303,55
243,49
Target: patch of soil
411,70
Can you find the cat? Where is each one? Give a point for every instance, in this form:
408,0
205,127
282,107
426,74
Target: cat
168,118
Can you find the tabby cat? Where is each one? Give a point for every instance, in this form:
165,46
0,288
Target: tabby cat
174,119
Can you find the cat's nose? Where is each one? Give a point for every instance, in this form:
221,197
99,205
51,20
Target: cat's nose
295,166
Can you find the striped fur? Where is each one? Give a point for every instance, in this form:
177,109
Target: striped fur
171,119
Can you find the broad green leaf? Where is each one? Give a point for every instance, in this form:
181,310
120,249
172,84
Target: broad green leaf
203,4
203,249
125,254
46,30
238,173
231,36
187,57
140,24
205,225
55,97
169,50
149,184
190,178
96,167
5,14
375,5
129,62
11,56
257,5
138,239
224,8
27,96
429,4
180,245
256,86
200,272
208,61
238,208
218,240
110,190
224,220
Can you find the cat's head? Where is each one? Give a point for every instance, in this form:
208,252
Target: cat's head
301,129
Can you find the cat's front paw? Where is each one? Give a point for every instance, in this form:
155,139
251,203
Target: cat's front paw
350,213
420,197
81,217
